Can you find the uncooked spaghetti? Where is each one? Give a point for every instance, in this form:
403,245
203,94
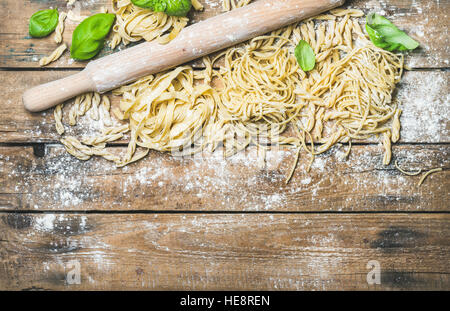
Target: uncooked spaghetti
424,176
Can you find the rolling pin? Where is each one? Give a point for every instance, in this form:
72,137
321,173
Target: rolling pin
195,41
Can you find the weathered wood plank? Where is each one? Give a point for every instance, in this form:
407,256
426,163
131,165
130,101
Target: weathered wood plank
19,49
424,20
422,95
224,252
55,181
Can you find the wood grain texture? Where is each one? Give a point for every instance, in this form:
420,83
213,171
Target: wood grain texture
54,180
421,95
424,20
224,252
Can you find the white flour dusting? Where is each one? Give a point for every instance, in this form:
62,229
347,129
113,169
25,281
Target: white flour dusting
58,181
426,107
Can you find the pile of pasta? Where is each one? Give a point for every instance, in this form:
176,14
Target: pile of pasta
256,93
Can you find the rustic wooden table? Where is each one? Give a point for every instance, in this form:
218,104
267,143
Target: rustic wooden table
207,223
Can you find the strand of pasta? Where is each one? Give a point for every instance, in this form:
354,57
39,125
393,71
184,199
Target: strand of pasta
80,149
73,113
76,18
94,110
396,126
235,109
134,24
291,172
197,5
76,148
55,55
115,130
387,147
93,141
349,149
57,113
105,107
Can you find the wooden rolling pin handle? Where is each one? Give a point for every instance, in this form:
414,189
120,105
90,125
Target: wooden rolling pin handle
52,93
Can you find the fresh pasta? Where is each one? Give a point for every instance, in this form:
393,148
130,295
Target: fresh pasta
197,5
57,114
405,172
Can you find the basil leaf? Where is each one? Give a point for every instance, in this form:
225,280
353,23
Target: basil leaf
386,35
42,23
170,7
305,56
89,36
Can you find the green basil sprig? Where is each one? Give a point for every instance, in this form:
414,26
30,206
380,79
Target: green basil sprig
305,56
386,35
170,7
89,36
42,23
